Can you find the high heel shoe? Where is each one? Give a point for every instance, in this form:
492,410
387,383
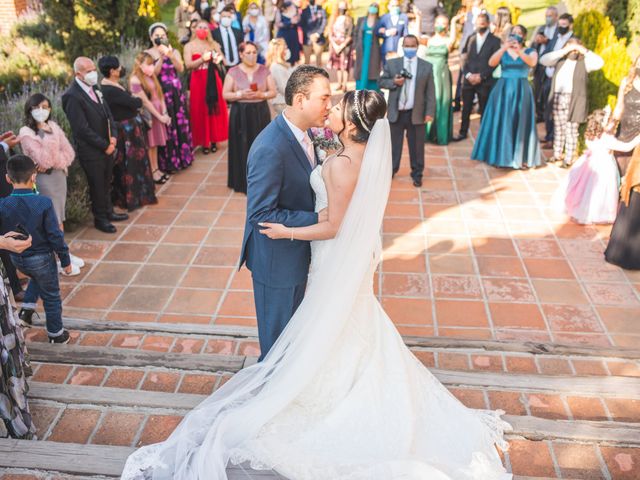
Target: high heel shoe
158,181
214,148
205,151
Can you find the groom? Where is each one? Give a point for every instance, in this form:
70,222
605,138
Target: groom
278,190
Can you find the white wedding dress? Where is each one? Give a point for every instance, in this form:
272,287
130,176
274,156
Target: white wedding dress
339,397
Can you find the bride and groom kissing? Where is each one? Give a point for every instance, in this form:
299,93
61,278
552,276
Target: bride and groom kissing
337,395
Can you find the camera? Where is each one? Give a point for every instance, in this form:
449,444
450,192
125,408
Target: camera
404,73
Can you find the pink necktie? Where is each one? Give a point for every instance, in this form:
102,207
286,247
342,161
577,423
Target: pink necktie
92,94
309,150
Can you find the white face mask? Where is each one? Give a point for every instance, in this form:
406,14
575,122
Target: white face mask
203,6
254,12
226,22
40,115
216,17
91,78
287,55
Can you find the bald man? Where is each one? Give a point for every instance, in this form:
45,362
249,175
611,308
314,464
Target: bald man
94,137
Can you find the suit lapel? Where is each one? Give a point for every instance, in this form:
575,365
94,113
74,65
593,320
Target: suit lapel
295,145
89,100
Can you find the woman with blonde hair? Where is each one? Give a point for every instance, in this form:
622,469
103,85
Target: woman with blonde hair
204,58
502,23
144,84
280,68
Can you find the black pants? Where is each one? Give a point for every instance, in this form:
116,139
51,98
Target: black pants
548,109
99,174
415,139
468,92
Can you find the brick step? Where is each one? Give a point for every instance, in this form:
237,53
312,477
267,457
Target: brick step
104,401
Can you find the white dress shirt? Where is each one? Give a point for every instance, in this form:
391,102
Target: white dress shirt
302,137
564,77
230,53
408,93
88,90
480,38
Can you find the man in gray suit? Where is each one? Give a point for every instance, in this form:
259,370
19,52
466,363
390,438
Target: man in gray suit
412,104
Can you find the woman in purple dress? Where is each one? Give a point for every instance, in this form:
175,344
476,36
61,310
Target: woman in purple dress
178,152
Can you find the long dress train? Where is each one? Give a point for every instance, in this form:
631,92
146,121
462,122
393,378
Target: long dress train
339,396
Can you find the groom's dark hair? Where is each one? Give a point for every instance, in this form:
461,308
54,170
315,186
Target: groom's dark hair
300,81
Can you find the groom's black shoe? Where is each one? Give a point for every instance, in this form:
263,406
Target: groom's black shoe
459,138
417,182
118,217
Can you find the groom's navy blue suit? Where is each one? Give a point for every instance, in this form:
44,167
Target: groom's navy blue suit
278,191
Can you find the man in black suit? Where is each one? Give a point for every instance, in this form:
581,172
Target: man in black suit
412,104
94,137
476,72
544,40
313,21
228,37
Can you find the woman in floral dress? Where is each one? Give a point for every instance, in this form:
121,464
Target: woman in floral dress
178,151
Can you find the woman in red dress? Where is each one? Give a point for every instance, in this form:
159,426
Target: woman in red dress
209,119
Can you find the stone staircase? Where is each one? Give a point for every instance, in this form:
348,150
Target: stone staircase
575,410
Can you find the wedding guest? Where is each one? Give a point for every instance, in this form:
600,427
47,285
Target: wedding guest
429,11
247,87
182,17
313,22
35,213
144,84
564,33
507,136
287,21
94,139
133,183
44,141
568,94
178,150
366,44
392,27
256,30
207,108
8,140
436,53
228,37
626,115
340,38
476,72
502,23
623,249
269,9
236,21
280,69
412,104
16,415
544,39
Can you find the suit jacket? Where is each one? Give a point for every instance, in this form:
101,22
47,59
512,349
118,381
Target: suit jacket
310,25
91,123
469,27
390,44
424,102
539,75
278,191
375,59
478,62
217,36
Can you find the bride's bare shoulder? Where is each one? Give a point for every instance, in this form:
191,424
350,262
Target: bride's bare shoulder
340,169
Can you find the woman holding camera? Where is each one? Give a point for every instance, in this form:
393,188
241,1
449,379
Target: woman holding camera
507,136
178,151
209,122
247,87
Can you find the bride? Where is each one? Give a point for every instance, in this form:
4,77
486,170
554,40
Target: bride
339,396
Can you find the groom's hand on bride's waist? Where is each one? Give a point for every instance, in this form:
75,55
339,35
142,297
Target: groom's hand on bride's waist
323,215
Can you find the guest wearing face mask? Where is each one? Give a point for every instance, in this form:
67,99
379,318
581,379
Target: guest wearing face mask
287,21
208,110
133,185
178,150
568,95
340,39
507,136
412,104
563,35
392,27
269,8
366,43
477,72
247,87
44,141
544,39
94,137
256,30
228,37
313,21
182,17
277,62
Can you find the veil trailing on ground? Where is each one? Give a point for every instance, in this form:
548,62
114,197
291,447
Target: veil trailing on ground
205,441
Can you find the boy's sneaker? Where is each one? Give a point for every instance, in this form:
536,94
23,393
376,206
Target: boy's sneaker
75,270
25,316
76,260
60,339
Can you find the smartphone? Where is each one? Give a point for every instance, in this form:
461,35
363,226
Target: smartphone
21,232
254,87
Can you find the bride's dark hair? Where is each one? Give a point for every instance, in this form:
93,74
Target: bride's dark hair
362,108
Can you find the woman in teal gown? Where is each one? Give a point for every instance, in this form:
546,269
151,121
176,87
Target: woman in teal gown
508,136
368,58
436,52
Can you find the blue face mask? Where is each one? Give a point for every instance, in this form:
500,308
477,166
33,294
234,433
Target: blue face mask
410,52
373,10
516,37
395,10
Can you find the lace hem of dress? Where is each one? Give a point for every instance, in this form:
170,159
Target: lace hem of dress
496,425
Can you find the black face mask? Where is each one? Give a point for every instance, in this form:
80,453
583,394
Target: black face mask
562,30
482,30
123,72
312,2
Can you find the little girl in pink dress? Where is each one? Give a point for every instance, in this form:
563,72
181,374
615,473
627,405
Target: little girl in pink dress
590,193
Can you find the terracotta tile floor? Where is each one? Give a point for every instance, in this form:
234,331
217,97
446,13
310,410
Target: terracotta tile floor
477,252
